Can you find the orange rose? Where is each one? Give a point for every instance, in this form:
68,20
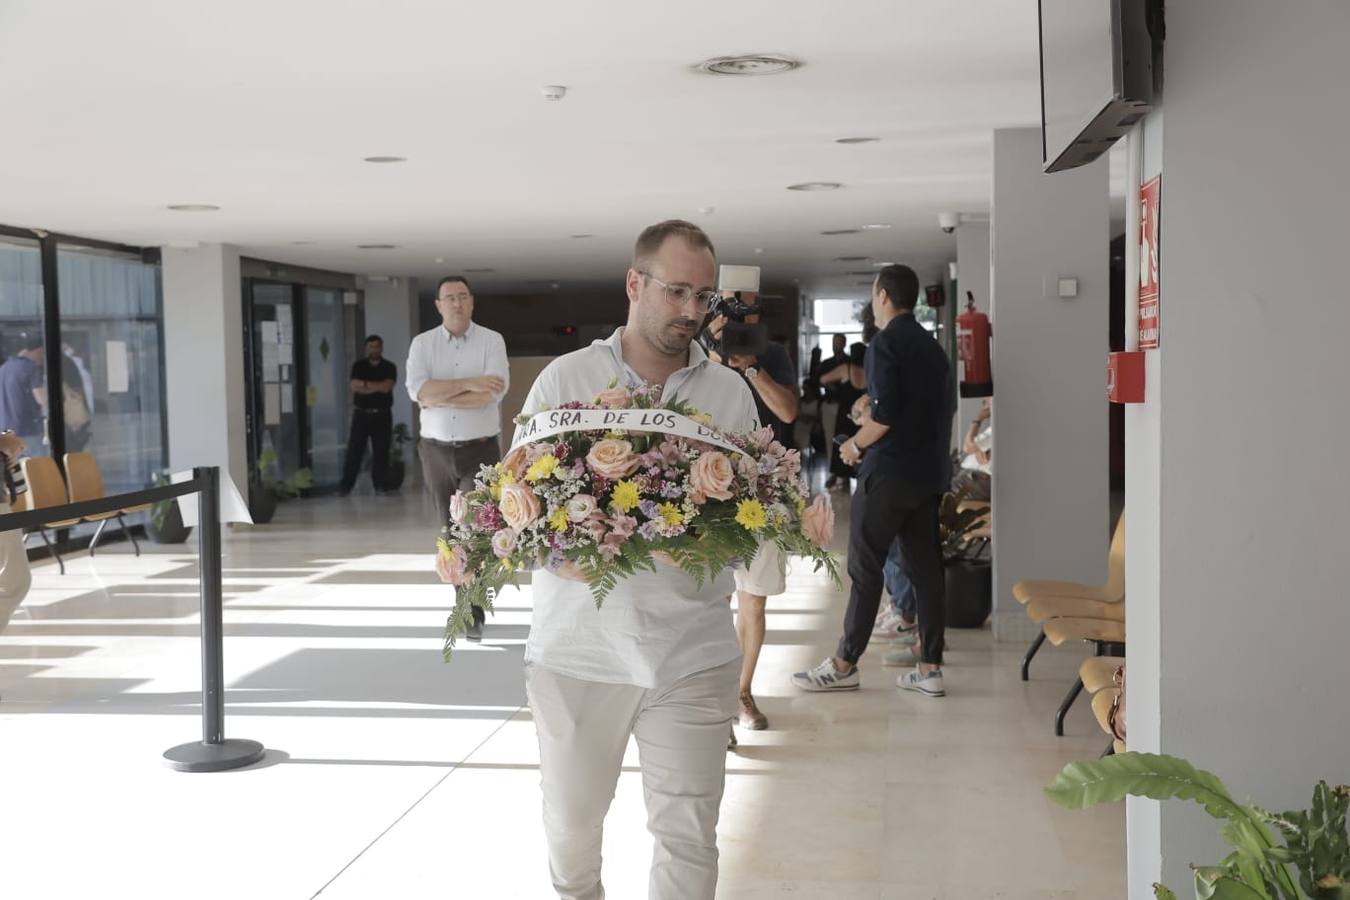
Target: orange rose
516,462
712,475
519,506
613,459
613,398
818,521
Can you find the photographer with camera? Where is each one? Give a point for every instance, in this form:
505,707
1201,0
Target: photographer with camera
734,336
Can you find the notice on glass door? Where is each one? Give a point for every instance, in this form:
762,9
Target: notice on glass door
271,404
119,373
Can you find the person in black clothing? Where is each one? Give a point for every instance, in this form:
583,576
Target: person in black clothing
373,381
904,471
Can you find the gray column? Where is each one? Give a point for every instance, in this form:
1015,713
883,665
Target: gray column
204,359
972,269
1049,357
1238,601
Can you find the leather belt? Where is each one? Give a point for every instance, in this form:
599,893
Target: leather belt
455,445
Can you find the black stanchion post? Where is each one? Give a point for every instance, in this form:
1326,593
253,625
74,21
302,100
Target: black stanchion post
213,753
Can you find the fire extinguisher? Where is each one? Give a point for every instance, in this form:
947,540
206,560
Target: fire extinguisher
972,342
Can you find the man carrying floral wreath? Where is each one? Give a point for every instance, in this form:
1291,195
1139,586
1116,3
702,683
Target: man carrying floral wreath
660,659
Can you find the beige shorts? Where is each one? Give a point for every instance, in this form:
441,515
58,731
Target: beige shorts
767,575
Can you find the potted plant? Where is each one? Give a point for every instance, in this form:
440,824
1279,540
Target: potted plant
1315,840
165,523
264,491
397,467
968,573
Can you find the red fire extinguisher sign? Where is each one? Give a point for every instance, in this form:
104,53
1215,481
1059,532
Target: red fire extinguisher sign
1149,231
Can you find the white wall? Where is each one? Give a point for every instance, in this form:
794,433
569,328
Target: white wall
1049,358
391,312
204,359
973,271
1249,623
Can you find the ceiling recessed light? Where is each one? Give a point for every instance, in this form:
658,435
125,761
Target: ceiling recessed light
707,210
749,64
386,159
481,269
877,227
815,186
836,231
375,247
851,258
881,265
301,243
759,250
440,259
867,272
193,207
581,236
857,140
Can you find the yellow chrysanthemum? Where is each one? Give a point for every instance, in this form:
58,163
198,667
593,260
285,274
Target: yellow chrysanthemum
558,521
495,489
541,468
670,514
626,495
750,514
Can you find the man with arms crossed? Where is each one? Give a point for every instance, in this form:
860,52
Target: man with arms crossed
660,659
457,376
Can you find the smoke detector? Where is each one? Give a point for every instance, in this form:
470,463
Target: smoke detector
749,64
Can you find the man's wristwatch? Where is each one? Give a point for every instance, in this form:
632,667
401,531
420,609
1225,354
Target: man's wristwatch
751,373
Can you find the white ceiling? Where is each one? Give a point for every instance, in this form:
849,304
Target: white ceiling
111,111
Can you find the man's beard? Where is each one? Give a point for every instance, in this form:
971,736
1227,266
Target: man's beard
673,337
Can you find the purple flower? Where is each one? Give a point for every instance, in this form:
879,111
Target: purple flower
650,530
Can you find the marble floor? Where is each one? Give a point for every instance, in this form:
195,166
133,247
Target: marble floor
390,774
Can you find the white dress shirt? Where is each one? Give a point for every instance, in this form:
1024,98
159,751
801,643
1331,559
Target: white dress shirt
654,628
438,355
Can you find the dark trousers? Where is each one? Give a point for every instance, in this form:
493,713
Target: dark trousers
886,508
447,469
378,428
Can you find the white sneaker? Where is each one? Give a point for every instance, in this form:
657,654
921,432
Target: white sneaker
930,685
825,677
888,625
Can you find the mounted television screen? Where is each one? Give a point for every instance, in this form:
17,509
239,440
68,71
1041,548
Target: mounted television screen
1096,77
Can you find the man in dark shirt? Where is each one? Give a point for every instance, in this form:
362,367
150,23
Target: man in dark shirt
904,472
372,416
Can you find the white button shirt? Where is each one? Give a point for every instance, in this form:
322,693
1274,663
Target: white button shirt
654,628
437,355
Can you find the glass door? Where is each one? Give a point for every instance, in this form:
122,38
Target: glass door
275,422
326,384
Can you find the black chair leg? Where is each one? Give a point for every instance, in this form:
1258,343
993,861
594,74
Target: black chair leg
1031,652
98,535
126,532
52,550
1064,707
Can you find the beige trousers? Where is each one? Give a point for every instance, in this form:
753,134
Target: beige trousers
681,733
14,575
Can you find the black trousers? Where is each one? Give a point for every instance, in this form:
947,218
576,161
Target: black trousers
885,508
378,428
447,469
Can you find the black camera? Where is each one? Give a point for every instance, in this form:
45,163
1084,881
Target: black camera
738,337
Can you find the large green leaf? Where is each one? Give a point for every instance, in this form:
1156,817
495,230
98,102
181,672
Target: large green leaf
1214,883
1084,784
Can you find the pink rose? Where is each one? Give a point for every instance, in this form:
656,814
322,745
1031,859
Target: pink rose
711,476
580,507
818,521
504,543
614,398
516,462
459,508
519,506
452,565
613,459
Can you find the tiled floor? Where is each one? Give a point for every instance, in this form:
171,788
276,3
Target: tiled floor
392,775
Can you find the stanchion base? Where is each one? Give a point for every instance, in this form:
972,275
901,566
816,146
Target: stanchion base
200,756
